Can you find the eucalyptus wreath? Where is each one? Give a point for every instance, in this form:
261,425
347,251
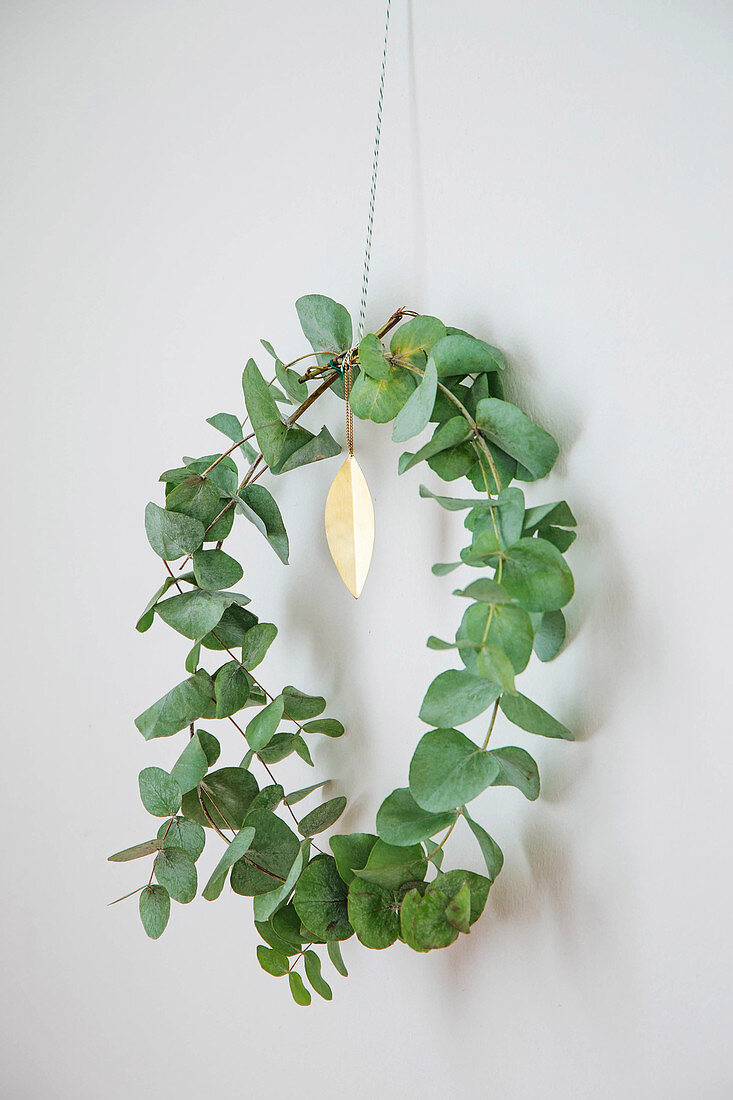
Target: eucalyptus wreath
386,885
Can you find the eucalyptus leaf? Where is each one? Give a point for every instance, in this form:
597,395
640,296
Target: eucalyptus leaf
458,909
455,504
269,858
193,614
320,900
513,431
374,914
290,382
535,574
236,849
415,414
148,615
300,994
549,635
448,770
453,431
170,534
299,705
351,851
313,973
263,413
493,664
265,904
329,727
256,643
322,817
228,424
313,449
557,513
258,505
413,341
136,852
500,624
529,716
389,865
196,497
159,792
559,538
176,871
516,768
334,954
181,833
326,325
227,795
178,708
229,632
400,821
459,355
490,850
298,796
191,766
273,962
455,697
381,399
215,570
373,359
262,727
155,909
232,688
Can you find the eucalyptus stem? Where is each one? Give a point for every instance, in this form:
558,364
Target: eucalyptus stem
491,724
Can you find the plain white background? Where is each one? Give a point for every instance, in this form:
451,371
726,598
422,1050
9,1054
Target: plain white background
556,178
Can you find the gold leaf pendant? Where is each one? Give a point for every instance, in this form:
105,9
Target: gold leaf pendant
350,525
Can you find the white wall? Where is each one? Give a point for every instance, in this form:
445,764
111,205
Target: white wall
554,177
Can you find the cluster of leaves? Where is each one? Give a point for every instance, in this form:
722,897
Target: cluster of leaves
374,885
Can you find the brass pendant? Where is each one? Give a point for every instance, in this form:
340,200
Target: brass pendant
350,525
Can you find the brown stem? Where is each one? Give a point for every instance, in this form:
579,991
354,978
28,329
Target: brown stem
232,448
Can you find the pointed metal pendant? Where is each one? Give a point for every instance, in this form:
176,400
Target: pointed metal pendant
350,525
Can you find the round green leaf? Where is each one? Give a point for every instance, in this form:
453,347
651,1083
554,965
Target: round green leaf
509,428
175,870
391,866
374,914
183,834
213,569
320,900
448,770
256,643
227,795
536,575
159,792
351,850
273,962
455,696
501,624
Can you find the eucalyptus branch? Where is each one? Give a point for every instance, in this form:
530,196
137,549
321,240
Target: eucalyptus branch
371,884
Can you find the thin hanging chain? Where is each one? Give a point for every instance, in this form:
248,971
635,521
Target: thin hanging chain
368,245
